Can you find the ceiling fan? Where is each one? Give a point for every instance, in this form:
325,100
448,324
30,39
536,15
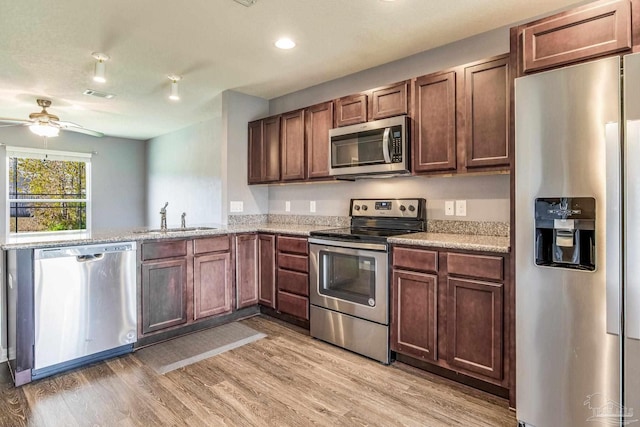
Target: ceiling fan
47,124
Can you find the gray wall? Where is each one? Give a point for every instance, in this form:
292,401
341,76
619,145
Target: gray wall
237,110
487,196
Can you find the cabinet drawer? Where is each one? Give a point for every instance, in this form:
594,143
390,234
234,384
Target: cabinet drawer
294,282
484,267
211,244
293,262
294,245
294,305
169,249
415,259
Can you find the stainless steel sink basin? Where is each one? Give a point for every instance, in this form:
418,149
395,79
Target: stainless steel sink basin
174,230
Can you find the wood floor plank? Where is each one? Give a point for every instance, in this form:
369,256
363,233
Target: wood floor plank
285,379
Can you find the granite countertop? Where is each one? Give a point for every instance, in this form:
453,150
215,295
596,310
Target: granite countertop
436,240
140,234
454,241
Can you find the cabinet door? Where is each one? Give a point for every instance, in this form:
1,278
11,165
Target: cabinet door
414,314
267,269
271,149
487,101
351,110
211,285
255,152
164,294
389,101
319,120
474,326
292,156
247,270
435,123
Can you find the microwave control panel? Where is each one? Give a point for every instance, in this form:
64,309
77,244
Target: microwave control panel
399,208
396,145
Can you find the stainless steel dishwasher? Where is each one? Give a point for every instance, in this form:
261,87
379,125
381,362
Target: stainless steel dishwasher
84,305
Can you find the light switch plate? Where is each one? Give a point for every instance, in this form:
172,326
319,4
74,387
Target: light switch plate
448,208
236,206
461,208
287,206
312,206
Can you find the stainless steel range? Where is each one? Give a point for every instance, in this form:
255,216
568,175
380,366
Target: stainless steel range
349,293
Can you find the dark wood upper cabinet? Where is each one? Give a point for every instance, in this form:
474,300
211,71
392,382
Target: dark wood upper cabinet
414,314
475,329
264,150
597,29
319,120
434,115
389,101
351,110
292,146
486,113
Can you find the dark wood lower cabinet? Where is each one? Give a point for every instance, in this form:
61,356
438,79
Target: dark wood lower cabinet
415,314
212,285
164,294
292,276
451,312
475,326
267,270
247,269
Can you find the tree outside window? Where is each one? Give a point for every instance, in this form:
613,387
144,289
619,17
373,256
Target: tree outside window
47,193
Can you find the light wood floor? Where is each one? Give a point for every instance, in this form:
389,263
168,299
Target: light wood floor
286,379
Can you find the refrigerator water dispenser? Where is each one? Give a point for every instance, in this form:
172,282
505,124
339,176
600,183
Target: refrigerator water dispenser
565,232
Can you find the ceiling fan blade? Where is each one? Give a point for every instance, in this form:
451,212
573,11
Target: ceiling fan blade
65,125
15,121
85,131
12,124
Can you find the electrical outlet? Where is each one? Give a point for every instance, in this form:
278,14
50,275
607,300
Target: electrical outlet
287,206
312,206
448,208
236,206
461,208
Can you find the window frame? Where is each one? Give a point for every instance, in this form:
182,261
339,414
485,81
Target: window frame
37,153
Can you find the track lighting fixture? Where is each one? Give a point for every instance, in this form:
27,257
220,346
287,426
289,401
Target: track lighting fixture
174,96
99,70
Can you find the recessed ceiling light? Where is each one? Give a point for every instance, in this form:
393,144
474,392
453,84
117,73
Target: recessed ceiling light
285,43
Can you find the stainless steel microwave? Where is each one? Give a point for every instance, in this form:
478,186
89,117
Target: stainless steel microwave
373,148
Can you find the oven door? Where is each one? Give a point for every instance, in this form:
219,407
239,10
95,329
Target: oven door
351,278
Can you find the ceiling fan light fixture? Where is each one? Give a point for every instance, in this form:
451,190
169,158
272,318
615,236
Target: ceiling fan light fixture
174,95
99,70
44,129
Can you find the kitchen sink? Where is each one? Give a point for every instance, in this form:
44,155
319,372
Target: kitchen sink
174,230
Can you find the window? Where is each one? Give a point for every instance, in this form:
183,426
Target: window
47,191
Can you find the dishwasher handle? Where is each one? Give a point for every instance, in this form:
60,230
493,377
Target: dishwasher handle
84,252
87,258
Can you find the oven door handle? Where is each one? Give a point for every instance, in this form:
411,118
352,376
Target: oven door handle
381,247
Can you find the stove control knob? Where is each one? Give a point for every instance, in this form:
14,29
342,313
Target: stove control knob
412,208
364,207
356,207
402,208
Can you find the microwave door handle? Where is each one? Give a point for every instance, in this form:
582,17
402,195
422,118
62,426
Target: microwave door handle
386,142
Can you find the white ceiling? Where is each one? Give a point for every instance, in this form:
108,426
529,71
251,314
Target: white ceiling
45,50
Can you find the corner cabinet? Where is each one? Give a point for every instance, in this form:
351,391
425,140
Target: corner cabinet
462,118
451,310
264,150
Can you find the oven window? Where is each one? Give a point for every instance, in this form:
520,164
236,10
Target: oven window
348,277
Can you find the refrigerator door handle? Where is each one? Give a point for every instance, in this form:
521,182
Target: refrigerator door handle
632,231
613,228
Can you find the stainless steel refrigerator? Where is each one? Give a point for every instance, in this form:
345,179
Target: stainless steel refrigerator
577,201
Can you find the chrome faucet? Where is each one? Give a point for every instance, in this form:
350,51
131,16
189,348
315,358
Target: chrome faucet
163,217
183,222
